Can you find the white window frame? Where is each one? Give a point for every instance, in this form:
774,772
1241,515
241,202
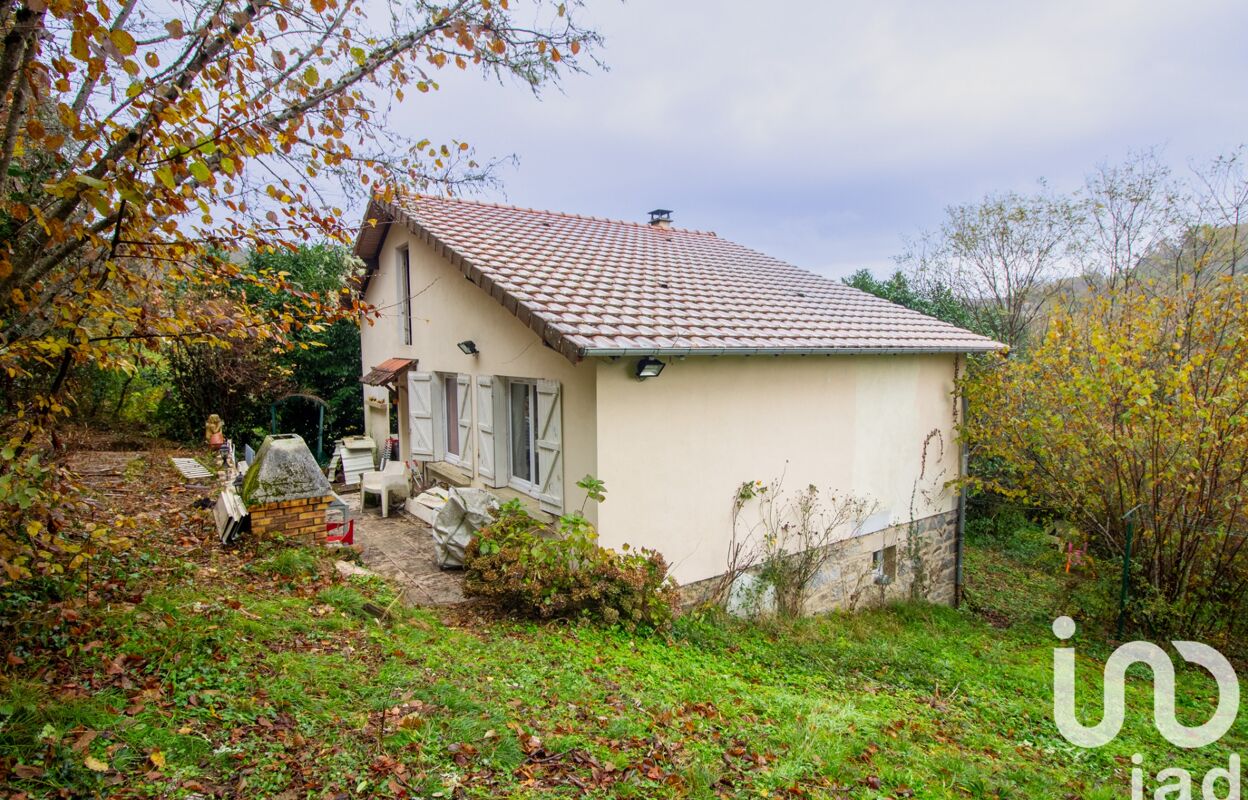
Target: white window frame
532,488
403,266
450,416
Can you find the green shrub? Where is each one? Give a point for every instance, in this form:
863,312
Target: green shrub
1010,527
526,569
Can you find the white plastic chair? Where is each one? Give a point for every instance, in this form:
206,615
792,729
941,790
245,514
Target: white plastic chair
393,478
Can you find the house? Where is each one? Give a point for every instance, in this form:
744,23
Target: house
526,349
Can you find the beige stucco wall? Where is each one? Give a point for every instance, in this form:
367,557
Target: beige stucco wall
674,449
448,309
376,416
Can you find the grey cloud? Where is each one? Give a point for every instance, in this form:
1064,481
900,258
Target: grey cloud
824,132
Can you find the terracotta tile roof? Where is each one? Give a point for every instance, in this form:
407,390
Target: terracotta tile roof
597,287
387,371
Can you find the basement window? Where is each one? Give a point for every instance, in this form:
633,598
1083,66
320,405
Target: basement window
884,565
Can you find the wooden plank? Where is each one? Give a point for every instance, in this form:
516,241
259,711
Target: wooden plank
191,469
355,463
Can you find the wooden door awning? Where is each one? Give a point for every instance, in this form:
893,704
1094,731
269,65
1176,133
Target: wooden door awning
388,371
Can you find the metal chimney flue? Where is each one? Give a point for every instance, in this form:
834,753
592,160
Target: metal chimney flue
661,218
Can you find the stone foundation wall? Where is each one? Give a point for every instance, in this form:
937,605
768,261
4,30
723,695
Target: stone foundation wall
924,566
302,521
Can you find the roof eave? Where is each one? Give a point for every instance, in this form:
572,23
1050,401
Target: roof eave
549,335
369,241
612,352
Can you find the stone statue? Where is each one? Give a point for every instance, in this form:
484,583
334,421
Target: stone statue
214,432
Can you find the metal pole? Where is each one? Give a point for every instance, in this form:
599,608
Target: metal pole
320,433
273,419
960,531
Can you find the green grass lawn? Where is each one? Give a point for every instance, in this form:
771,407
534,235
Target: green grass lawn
210,674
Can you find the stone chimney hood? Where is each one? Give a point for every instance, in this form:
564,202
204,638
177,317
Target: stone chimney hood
284,469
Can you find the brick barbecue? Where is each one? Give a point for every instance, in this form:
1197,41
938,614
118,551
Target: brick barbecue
301,520
285,491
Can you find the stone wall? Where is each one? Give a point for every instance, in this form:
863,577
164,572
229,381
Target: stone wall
921,565
301,521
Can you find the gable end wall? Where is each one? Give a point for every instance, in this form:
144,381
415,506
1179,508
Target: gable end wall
447,308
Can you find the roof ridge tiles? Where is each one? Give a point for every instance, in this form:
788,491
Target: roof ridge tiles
400,196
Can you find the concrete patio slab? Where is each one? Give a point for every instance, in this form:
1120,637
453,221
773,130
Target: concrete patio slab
400,547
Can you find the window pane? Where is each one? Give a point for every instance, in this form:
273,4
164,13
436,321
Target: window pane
521,432
537,470
452,415
405,295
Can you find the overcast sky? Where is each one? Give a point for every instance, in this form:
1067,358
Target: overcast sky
825,132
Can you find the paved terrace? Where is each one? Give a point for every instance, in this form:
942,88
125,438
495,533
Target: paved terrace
400,547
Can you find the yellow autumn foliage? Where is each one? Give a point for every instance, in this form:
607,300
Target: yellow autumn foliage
1134,399
142,148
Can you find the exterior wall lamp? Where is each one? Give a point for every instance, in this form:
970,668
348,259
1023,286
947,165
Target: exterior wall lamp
468,347
649,368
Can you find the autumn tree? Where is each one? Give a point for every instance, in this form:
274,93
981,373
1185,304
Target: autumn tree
242,383
142,143
1132,211
1004,257
235,382
1133,392
1138,399
1011,258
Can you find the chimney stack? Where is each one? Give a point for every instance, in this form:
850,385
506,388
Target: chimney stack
661,218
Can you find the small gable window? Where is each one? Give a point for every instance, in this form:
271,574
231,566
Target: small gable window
404,269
